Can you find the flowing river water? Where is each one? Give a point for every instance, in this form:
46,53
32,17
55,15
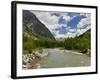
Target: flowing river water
59,58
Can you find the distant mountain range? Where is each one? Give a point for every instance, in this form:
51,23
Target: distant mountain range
32,25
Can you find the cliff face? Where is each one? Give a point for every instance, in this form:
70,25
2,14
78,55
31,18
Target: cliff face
33,25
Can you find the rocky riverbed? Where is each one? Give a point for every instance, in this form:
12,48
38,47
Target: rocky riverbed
54,58
31,60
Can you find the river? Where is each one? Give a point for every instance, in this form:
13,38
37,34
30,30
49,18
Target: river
59,58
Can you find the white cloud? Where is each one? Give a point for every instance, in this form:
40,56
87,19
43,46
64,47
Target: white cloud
80,27
46,17
84,21
72,30
51,22
67,18
69,34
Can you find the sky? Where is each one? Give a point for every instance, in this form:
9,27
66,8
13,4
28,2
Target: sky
65,24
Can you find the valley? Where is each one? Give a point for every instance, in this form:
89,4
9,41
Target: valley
42,50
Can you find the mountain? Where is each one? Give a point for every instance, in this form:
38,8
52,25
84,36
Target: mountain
80,43
34,26
87,34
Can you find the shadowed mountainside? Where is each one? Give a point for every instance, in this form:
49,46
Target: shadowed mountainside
33,25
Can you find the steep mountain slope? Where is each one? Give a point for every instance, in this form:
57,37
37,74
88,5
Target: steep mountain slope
34,26
87,34
82,42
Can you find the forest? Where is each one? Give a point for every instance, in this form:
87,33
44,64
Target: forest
80,43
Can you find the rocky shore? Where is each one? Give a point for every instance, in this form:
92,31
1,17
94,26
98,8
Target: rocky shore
84,52
31,60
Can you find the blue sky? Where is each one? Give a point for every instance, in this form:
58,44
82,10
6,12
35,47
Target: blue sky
65,24
73,23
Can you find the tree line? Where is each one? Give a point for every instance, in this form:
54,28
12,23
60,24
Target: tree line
81,43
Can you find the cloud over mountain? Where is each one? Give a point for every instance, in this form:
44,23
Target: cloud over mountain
65,24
